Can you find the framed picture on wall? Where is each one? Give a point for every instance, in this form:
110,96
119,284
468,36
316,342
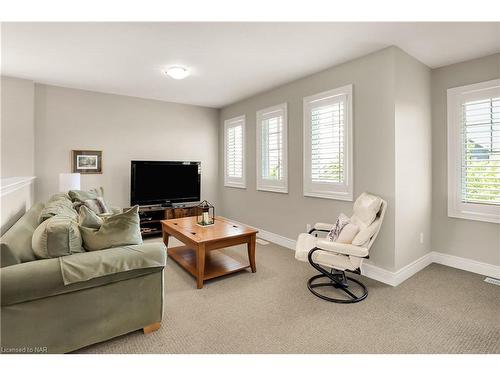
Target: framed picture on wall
87,161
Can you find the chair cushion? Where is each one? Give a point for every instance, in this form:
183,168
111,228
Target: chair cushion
348,233
364,235
16,242
56,237
342,248
366,208
338,261
116,230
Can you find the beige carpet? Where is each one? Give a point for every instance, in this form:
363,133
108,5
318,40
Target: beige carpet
439,310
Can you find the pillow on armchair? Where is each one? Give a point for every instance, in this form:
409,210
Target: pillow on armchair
341,222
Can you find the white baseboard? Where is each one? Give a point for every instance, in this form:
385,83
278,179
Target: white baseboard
272,237
395,278
277,239
466,264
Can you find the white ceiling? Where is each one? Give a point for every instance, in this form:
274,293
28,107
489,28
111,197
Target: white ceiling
228,61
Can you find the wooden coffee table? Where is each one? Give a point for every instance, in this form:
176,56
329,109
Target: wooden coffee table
199,256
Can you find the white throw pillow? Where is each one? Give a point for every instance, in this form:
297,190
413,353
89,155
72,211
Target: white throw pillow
341,222
348,233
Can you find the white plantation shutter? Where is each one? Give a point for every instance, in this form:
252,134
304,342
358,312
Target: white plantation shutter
328,144
272,149
474,151
481,151
234,152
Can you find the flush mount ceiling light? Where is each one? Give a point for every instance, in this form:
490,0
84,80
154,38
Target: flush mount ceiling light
177,72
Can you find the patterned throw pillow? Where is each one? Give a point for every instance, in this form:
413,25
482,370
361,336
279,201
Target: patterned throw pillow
97,205
341,222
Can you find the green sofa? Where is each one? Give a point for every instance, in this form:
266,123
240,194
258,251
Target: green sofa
121,290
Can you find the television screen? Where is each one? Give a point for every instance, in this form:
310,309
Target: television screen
163,182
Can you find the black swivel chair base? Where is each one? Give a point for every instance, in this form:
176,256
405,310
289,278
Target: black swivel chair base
337,280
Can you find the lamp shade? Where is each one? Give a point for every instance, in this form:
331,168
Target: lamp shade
69,181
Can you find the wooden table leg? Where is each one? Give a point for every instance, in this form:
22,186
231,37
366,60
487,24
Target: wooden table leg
200,265
251,252
165,238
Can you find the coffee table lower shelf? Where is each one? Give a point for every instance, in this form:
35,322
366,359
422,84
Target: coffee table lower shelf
217,263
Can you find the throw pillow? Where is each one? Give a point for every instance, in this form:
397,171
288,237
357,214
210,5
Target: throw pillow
97,205
348,233
116,230
81,195
88,218
55,237
341,222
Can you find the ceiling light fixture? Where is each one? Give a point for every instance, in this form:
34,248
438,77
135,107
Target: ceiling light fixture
177,72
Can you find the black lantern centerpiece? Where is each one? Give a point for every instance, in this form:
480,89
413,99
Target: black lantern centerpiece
206,213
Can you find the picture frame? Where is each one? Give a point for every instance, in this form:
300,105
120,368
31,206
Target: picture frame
86,161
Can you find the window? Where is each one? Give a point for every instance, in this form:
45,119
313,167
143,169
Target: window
474,151
328,144
272,149
234,152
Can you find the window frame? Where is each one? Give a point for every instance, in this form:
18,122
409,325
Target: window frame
329,190
264,184
455,98
235,182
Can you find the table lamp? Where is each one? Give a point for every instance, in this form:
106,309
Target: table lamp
69,181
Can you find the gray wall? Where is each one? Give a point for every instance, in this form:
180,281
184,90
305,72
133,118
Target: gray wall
465,238
124,128
17,127
372,77
413,158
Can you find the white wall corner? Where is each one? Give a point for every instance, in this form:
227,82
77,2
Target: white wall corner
395,278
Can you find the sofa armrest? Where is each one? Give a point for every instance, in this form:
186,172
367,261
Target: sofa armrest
342,248
90,265
43,278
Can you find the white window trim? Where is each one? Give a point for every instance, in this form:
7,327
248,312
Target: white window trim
233,181
329,190
457,208
264,184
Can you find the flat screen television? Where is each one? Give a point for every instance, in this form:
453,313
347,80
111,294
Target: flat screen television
164,182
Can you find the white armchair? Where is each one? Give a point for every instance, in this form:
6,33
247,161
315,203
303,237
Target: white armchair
320,252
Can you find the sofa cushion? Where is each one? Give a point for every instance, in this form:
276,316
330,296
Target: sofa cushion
56,237
16,242
43,278
57,206
116,230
